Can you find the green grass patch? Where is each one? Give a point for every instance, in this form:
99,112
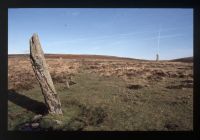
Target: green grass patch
106,103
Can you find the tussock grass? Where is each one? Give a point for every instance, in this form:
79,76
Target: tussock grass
109,96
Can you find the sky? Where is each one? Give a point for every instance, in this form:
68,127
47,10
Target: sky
126,32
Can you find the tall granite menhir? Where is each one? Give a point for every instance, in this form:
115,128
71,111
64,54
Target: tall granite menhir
44,78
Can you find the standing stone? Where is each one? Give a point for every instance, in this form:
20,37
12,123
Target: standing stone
67,84
157,57
44,78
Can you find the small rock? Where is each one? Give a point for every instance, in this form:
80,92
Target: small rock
58,122
35,125
36,118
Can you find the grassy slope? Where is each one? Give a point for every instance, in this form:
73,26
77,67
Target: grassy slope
105,103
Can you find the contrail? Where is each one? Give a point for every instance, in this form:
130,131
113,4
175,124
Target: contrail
122,35
158,39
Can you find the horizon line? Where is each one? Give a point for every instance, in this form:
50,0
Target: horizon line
100,55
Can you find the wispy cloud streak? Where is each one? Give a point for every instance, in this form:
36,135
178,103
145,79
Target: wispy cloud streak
122,35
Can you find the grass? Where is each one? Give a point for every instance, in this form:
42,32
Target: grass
106,103
107,95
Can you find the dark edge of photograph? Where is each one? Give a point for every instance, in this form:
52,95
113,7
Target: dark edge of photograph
5,5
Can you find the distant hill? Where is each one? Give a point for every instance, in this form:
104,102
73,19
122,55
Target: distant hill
76,56
186,59
85,56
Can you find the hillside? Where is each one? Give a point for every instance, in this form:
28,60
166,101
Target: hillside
105,57
186,59
74,56
106,94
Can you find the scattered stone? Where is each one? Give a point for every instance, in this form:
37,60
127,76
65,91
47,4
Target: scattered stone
36,118
34,125
58,122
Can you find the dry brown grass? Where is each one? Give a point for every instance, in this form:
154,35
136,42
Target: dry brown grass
21,75
108,94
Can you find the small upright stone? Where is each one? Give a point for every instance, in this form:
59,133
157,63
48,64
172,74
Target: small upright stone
157,57
67,84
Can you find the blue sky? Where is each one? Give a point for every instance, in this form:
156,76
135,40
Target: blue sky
126,32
